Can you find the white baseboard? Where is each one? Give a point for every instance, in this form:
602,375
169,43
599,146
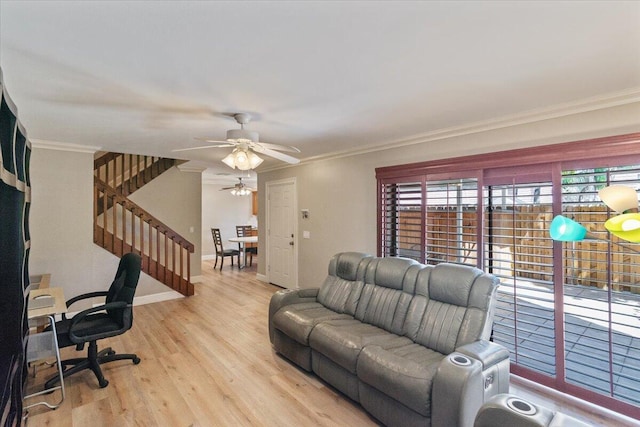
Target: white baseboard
262,278
162,296
197,279
208,257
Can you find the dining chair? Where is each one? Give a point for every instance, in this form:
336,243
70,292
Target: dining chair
221,252
249,248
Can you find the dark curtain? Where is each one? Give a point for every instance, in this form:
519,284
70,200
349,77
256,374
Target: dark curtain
14,254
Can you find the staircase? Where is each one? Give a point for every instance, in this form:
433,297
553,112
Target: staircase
121,226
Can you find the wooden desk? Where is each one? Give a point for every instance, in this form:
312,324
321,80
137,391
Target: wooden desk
243,243
59,305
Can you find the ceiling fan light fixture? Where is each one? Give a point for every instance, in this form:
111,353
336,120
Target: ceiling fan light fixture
230,161
242,159
241,191
254,160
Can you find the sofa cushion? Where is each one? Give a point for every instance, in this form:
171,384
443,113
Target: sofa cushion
297,320
342,340
451,307
387,293
349,265
341,290
404,373
439,326
391,272
451,283
340,295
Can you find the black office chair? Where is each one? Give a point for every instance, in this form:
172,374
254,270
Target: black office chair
249,248
108,320
221,252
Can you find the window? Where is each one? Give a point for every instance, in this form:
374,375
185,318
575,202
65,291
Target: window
431,221
569,313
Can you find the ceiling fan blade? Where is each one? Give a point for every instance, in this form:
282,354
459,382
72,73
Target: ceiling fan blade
278,155
203,147
214,140
279,147
227,188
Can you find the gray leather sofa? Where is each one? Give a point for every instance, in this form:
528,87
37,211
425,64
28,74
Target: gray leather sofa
405,340
505,410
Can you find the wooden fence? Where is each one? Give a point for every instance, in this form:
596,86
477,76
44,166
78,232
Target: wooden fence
521,244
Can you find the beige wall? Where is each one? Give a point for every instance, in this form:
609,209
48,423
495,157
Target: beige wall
61,219
61,224
221,209
175,198
341,193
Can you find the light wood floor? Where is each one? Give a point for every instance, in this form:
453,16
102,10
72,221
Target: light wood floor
206,361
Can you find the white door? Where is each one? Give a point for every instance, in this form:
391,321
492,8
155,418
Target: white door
281,233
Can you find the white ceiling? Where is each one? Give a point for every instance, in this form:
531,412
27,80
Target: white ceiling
327,77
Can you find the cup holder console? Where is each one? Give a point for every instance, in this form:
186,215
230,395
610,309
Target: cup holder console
460,360
521,407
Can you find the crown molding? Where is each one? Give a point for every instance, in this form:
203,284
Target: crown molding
610,100
189,167
63,146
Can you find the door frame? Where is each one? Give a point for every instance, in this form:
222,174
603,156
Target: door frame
268,187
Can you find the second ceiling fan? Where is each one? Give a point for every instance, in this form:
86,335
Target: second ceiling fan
239,189
245,144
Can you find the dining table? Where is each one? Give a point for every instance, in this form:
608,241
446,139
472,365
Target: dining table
243,241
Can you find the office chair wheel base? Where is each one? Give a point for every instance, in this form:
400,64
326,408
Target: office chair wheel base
104,384
136,360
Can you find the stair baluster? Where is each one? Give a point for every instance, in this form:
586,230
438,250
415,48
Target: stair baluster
129,228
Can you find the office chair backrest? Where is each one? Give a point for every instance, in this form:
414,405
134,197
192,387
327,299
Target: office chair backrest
123,288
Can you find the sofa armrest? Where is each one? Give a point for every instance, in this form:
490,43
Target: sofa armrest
486,352
465,379
288,297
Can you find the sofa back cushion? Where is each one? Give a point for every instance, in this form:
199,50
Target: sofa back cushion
453,305
387,293
341,289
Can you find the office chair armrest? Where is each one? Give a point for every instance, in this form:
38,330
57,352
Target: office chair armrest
86,296
84,313
82,297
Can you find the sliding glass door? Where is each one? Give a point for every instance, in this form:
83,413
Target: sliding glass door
519,251
569,312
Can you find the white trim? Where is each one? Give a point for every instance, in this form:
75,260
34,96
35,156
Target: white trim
197,279
614,99
190,167
262,278
63,146
208,257
158,297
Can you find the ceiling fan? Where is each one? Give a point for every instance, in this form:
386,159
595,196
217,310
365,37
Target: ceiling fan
239,189
246,144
